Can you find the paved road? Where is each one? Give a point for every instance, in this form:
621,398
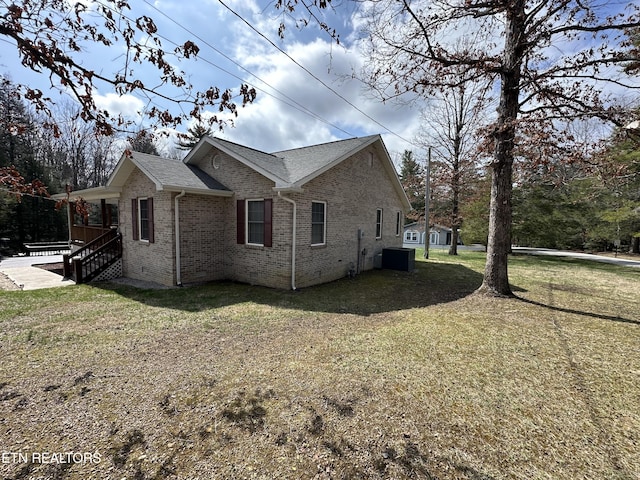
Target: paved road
585,256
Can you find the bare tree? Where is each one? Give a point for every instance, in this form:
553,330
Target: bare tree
450,126
412,177
75,154
50,35
549,61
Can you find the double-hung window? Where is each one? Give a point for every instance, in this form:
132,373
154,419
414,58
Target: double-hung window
255,222
142,219
379,223
318,223
411,236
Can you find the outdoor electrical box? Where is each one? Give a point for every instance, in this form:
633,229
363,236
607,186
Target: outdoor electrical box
399,259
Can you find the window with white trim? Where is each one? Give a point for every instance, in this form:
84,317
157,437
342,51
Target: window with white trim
255,222
411,236
379,223
318,223
398,220
143,218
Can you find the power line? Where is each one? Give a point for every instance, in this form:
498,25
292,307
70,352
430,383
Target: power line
294,104
312,74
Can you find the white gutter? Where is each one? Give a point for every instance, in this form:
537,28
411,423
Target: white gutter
177,227
293,241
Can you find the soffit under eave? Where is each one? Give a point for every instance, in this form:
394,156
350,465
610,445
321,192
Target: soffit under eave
92,195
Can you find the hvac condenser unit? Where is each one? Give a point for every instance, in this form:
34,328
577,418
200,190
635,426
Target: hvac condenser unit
399,259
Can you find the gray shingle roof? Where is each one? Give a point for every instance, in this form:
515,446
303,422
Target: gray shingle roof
288,169
304,163
170,174
295,166
259,160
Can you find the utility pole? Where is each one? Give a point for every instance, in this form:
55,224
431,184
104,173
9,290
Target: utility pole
427,194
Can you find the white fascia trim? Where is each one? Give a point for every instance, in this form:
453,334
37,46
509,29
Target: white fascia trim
89,194
197,191
288,188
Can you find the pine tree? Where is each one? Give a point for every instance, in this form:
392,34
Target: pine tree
143,142
186,141
412,177
25,215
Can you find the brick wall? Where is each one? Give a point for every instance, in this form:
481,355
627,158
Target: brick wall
256,265
352,190
203,247
143,260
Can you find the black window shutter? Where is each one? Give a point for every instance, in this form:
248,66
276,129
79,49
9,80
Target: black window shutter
240,222
268,217
134,219
150,209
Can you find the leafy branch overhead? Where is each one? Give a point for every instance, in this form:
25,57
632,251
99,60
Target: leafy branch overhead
50,36
12,181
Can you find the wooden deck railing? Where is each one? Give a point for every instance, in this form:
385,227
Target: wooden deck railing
92,259
84,234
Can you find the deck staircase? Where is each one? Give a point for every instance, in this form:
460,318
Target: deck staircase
93,258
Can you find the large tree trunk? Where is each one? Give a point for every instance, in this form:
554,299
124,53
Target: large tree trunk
496,278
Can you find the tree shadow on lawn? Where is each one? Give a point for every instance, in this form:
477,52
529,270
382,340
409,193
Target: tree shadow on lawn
374,291
572,311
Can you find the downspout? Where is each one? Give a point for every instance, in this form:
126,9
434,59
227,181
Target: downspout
293,241
177,228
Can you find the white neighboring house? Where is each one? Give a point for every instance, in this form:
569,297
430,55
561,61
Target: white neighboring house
438,235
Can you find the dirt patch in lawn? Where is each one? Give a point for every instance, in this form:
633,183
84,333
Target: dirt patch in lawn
6,283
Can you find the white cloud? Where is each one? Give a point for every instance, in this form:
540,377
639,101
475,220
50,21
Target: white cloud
128,106
271,124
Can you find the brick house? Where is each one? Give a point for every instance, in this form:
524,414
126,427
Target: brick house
287,219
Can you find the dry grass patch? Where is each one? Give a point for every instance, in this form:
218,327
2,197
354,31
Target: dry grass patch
391,375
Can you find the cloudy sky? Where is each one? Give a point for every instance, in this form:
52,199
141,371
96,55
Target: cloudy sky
313,98
308,94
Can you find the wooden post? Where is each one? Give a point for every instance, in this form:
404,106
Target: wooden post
103,212
427,194
77,268
66,265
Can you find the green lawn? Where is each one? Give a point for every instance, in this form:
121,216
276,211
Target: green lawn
389,375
